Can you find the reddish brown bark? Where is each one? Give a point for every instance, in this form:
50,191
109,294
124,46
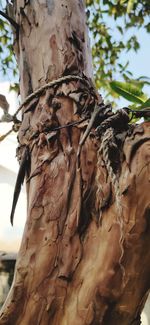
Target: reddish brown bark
84,257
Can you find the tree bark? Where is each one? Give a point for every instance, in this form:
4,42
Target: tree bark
84,256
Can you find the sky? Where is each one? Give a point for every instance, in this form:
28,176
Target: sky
140,61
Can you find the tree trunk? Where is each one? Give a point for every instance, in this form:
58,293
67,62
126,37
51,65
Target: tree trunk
84,256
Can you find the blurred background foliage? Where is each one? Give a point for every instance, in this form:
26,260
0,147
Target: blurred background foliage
8,65
114,27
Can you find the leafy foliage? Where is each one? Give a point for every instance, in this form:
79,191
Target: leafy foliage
8,62
113,25
133,92
129,90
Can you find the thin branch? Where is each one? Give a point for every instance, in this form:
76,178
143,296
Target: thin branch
3,136
12,22
145,112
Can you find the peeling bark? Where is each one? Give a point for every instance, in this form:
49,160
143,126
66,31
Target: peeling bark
84,256
54,35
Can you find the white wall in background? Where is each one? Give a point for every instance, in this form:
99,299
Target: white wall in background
9,236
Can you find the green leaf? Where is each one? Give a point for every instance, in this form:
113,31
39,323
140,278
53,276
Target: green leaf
129,91
137,83
144,105
130,5
122,1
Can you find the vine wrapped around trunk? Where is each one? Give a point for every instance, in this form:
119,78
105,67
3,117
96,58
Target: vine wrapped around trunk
84,256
